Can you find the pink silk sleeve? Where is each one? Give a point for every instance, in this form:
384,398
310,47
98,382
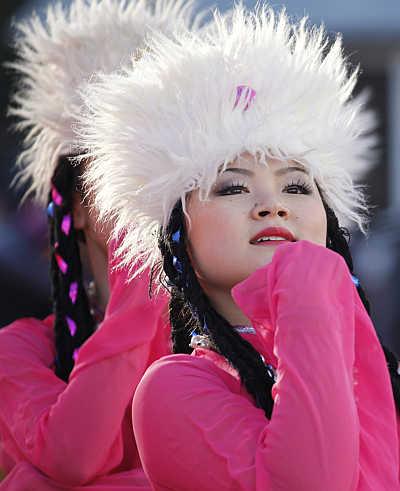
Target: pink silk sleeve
197,428
73,432
25,477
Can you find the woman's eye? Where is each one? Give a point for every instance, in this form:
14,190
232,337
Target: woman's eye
298,188
232,189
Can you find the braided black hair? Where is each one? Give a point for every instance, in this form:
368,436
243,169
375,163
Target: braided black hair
73,322
191,311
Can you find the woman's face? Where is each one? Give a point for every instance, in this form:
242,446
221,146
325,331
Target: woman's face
232,234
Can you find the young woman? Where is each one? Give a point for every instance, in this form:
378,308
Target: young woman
66,383
242,174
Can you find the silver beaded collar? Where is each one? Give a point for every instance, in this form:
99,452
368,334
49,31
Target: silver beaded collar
245,329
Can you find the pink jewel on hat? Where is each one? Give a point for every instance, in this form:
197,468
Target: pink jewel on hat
61,263
66,224
71,325
56,196
75,354
245,93
73,291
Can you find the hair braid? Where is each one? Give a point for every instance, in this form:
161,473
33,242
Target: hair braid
338,242
73,321
190,310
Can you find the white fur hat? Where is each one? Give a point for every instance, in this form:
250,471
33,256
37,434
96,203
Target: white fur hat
255,83
58,56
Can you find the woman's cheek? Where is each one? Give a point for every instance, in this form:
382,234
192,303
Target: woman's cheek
311,224
213,245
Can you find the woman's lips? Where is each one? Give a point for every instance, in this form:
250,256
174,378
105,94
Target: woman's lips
272,236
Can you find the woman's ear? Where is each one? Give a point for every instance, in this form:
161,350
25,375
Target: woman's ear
79,212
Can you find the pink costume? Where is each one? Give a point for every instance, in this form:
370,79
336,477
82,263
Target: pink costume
333,426
80,432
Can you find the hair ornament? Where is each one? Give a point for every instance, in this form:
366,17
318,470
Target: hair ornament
50,209
270,368
177,265
73,291
56,196
75,354
205,326
66,223
248,94
200,341
71,325
176,236
63,266
271,371
355,280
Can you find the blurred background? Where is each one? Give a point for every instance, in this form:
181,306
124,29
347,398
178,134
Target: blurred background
371,30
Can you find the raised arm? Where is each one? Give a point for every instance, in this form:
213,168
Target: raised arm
196,427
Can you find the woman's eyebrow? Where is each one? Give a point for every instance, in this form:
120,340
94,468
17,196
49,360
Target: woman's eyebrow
293,168
279,172
239,170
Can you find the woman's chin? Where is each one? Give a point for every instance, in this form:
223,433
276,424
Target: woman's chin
256,264
263,257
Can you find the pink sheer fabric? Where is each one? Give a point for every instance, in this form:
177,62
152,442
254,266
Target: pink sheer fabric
25,477
333,426
65,436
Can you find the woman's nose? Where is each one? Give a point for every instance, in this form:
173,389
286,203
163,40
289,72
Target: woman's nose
272,209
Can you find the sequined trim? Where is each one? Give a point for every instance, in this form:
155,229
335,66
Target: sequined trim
202,341
271,371
245,329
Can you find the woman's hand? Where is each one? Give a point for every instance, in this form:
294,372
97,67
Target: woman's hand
302,274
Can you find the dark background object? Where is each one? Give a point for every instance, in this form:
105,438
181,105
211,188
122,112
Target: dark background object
24,285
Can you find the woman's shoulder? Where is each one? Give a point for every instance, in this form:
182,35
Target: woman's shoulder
185,375
29,325
28,335
189,413
201,360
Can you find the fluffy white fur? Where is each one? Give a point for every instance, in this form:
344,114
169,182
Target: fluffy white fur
57,57
167,125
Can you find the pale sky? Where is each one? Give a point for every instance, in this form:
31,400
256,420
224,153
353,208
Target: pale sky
355,18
